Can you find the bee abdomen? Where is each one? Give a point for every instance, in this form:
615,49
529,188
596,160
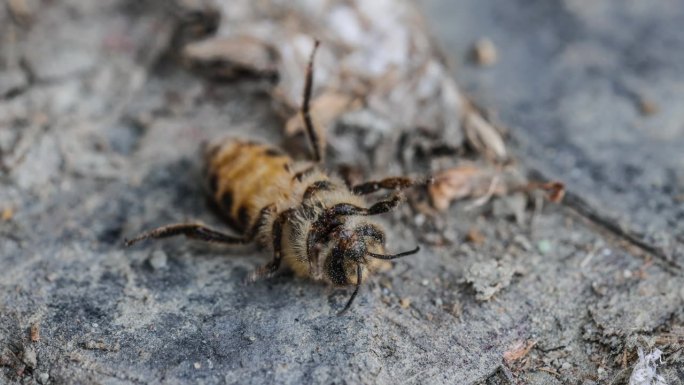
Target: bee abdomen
246,176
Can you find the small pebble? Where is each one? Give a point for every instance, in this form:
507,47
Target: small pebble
647,107
438,302
43,378
544,246
424,282
484,52
522,242
566,366
197,365
405,303
627,273
158,260
30,357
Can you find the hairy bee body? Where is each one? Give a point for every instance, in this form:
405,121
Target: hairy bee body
245,177
313,222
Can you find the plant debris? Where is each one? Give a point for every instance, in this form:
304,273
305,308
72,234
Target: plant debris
647,107
231,57
484,52
483,137
518,351
644,372
390,70
483,182
101,345
461,182
7,214
35,332
489,277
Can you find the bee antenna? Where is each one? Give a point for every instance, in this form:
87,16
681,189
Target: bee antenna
359,276
395,256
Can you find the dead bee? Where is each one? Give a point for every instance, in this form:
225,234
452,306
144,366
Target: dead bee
315,223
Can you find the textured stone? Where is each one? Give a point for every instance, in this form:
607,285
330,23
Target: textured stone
97,151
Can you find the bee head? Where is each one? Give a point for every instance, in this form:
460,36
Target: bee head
352,248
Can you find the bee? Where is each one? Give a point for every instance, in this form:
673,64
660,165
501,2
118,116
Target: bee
313,222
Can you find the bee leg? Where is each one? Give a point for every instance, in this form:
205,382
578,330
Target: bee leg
300,175
203,233
260,221
190,230
384,206
359,277
316,143
315,187
395,183
344,209
270,268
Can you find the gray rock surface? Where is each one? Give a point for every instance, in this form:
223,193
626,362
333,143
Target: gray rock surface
589,89
97,149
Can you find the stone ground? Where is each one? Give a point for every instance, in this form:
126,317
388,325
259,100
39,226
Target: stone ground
99,140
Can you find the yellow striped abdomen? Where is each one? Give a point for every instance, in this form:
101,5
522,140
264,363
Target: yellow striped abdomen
244,177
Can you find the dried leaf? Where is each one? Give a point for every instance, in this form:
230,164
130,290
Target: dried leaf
483,137
518,351
392,67
673,337
7,214
647,107
459,183
555,191
22,10
35,332
475,236
325,109
227,57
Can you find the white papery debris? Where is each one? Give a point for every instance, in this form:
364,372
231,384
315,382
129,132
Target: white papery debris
374,56
645,370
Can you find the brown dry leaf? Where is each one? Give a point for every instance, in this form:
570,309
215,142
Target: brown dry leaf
325,109
392,66
483,137
475,236
555,191
518,351
35,332
7,214
227,57
22,10
459,183
673,337
647,107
